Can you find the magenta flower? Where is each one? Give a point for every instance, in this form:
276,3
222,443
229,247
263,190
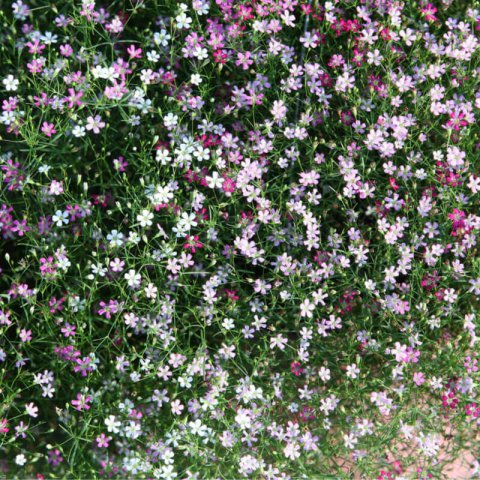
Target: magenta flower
54,457
74,98
456,121
296,368
429,11
192,243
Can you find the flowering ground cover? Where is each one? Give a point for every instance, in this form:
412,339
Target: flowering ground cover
239,239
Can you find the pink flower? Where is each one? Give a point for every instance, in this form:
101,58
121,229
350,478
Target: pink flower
95,124
68,330
82,402
25,335
48,129
3,426
411,355
120,164
244,60
66,50
74,98
177,407
102,440
134,52
35,66
35,47
418,378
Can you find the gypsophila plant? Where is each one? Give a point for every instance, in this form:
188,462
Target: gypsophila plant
239,239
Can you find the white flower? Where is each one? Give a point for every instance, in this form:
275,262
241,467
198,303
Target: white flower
187,221
134,237
407,430
345,82
200,53
153,56
474,184
161,38
306,308
47,391
450,296
145,218
183,21
31,410
197,428
170,120
201,6
167,472
196,79
8,117
243,419
185,382
162,194
292,450
162,157
133,430
11,83
278,341
352,371
214,181
202,154
107,73
112,424
436,383
48,38
429,444
21,459
350,440
147,76
78,131
455,157
151,291
324,374
115,238
228,323
133,278
60,218
99,270
278,110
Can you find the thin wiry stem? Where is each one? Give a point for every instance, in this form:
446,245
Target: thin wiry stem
302,56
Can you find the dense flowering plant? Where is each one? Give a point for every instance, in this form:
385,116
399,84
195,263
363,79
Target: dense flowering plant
239,239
